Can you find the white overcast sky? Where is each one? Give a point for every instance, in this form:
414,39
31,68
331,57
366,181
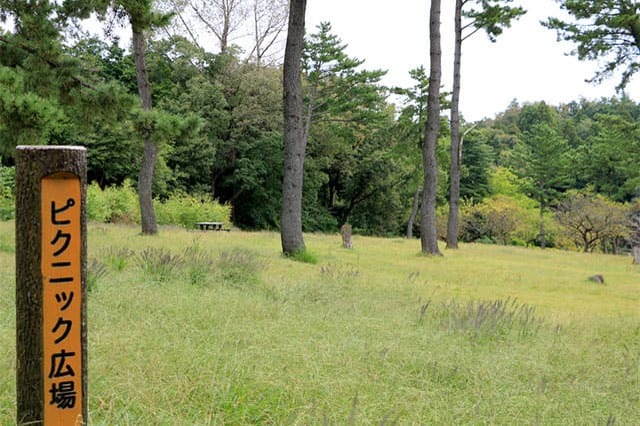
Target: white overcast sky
527,63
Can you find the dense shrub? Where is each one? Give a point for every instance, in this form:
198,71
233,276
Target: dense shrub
113,204
98,207
123,202
120,205
186,210
7,191
501,219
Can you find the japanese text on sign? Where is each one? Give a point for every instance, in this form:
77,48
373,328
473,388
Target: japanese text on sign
62,289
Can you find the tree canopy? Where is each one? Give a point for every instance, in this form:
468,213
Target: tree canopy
218,125
603,29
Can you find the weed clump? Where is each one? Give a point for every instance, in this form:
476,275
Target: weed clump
488,319
158,264
95,271
304,256
240,268
198,265
117,258
7,247
339,273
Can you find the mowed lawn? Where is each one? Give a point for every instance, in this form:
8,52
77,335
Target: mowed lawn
192,328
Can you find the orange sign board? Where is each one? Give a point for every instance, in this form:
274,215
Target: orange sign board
62,299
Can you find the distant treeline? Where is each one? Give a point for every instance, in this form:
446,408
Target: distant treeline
218,123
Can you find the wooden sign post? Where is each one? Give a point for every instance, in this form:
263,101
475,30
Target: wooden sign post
51,245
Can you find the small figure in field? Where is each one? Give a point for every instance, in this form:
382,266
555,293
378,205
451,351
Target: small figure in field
345,231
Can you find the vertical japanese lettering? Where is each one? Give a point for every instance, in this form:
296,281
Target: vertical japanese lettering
55,211
61,271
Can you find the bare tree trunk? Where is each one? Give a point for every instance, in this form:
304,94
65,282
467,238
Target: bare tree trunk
150,153
456,148
428,232
414,213
257,36
634,226
543,235
294,141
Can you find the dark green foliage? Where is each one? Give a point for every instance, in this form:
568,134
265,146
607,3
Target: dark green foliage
26,117
493,16
606,30
542,156
218,126
350,161
611,155
54,95
247,166
477,159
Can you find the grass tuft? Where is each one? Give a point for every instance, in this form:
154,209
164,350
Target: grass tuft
240,267
198,265
117,257
95,271
339,273
303,256
490,318
158,264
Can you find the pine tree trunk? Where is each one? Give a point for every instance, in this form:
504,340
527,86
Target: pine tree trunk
414,213
428,231
456,151
150,152
294,141
543,235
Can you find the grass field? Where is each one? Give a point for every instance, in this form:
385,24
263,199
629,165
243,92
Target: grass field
218,328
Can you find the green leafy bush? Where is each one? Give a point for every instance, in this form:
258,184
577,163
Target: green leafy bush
124,204
98,207
121,205
113,204
186,210
7,191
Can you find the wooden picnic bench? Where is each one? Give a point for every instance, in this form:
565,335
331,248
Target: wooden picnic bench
210,226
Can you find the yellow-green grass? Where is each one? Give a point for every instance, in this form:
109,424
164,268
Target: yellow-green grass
370,335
